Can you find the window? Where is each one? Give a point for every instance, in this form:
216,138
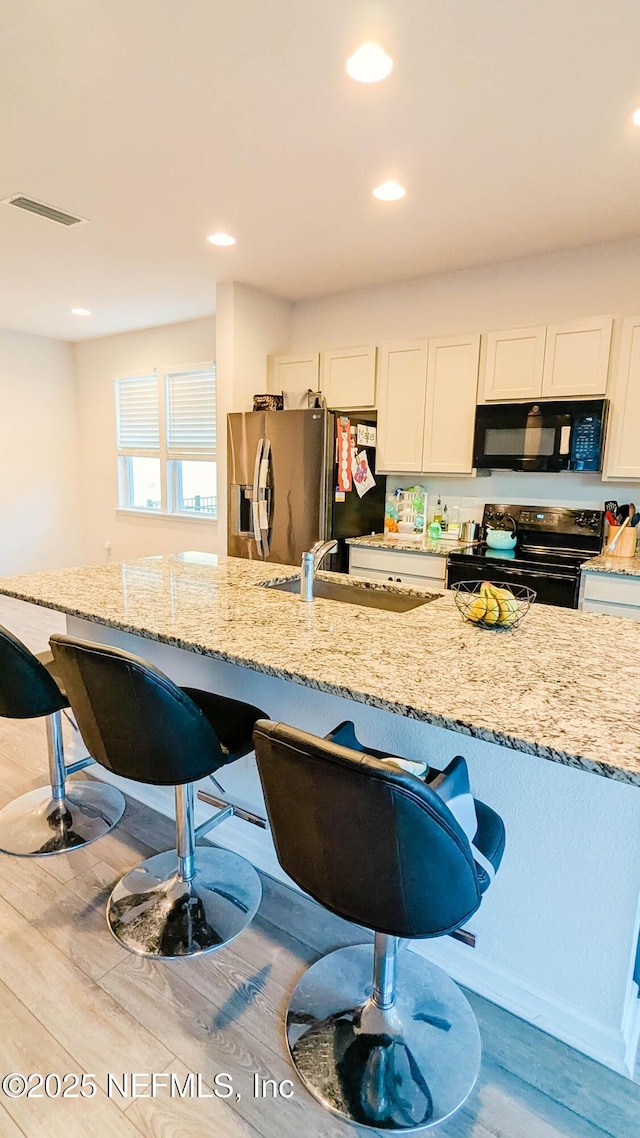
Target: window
166,438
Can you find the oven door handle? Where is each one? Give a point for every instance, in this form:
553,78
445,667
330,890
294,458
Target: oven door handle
532,573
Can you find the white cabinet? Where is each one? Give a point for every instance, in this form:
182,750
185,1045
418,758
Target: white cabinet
576,358
611,593
514,363
423,570
294,373
558,362
427,393
348,377
402,392
452,387
622,458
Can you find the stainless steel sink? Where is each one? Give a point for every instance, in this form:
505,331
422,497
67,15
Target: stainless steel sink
354,594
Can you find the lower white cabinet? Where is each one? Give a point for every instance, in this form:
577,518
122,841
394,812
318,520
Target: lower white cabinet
424,570
612,593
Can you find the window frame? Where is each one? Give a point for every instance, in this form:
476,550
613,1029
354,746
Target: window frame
169,461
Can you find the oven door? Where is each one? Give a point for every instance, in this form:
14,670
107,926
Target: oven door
522,436
561,589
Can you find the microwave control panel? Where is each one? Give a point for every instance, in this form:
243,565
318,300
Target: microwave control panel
585,442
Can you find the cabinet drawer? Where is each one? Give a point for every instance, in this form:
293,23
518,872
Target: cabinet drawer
432,566
614,590
611,609
433,584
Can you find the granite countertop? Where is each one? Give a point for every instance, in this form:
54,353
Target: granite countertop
405,544
552,688
605,563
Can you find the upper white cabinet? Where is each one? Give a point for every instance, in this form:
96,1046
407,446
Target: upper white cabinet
452,386
402,393
514,363
555,362
622,459
427,394
294,373
348,377
576,358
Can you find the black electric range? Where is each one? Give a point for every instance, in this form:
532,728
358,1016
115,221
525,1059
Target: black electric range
553,543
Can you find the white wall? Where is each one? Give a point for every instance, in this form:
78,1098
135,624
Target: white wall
601,279
39,501
97,363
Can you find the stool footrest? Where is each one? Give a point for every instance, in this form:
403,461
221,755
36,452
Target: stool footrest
236,811
80,765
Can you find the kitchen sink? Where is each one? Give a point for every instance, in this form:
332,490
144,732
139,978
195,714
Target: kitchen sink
374,598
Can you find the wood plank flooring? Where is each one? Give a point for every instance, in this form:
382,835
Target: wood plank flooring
71,1000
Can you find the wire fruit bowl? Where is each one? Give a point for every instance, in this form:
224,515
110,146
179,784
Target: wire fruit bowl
493,606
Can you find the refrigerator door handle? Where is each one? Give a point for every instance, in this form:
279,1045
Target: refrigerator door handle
264,520
255,496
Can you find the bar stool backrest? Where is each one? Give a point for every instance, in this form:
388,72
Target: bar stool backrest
372,844
27,690
134,720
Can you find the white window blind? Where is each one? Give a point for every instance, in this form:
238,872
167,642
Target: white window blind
191,412
138,413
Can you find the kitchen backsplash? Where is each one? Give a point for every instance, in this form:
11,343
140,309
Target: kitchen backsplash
465,497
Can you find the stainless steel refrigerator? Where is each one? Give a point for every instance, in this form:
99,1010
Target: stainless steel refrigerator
281,485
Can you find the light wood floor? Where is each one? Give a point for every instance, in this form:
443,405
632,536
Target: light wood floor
71,1001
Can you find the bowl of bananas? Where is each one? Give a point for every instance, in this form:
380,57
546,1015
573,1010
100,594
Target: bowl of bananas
493,606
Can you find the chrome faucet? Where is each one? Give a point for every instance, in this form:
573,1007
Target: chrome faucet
311,562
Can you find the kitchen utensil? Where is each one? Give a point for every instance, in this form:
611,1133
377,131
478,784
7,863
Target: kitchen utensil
469,532
635,519
612,544
610,518
506,608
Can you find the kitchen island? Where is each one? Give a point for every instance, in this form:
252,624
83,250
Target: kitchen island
545,716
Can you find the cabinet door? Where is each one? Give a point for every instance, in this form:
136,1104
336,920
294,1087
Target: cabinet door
294,373
513,368
402,387
576,358
622,458
348,377
450,412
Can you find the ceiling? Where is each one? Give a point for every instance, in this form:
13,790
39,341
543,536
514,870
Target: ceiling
163,120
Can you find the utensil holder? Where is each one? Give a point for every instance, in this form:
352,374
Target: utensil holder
626,544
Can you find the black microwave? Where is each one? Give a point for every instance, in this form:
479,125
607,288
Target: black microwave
547,437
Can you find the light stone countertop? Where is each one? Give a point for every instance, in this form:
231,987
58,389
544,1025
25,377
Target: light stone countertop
402,543
605,563
553,687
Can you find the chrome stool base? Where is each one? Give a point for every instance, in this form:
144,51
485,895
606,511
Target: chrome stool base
37,824
404,1068
155,912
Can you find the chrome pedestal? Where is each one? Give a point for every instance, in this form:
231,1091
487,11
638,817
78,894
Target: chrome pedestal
59,817
398,1060
184,902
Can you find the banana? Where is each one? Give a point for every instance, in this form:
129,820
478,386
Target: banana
507,604
477,609
492,614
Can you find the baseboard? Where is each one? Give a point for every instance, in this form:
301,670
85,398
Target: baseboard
613,1048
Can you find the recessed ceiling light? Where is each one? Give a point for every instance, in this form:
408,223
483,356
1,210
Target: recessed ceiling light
221,239
635,118
369,64
81,311
389,192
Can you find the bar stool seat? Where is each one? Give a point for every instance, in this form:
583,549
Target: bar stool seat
379,847
140,725
64,815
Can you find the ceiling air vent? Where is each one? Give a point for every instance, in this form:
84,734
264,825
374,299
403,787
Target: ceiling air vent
31,206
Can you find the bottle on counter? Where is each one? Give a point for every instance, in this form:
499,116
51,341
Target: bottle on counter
437,513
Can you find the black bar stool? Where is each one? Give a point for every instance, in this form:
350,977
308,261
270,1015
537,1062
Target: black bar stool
140,725
58,817
378,847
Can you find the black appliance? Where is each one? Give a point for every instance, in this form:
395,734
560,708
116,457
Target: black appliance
281,478
567,435
553,543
